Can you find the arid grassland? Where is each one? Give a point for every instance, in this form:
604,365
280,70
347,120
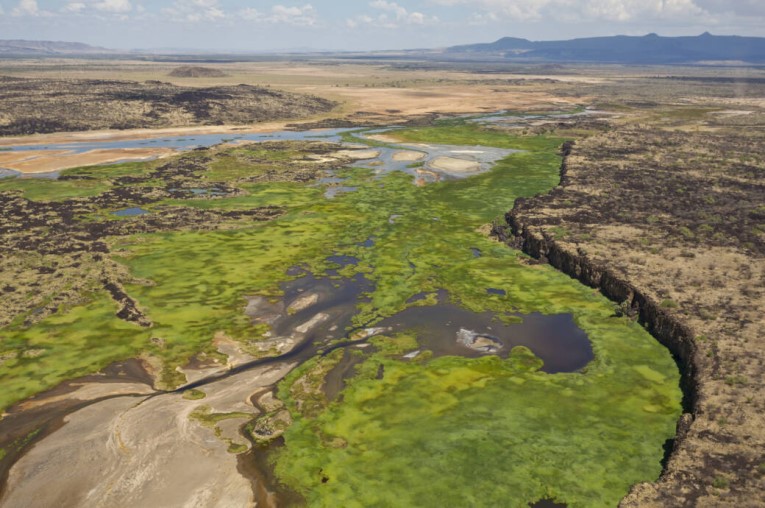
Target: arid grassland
340,321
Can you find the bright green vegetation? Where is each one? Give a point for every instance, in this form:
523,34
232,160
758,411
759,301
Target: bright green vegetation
69,344
720,482
486,432
95,182
205,415
52,190
194,394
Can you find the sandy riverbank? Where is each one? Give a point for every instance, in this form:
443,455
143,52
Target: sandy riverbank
49,161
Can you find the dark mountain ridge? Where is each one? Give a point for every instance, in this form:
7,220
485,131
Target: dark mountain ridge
651,48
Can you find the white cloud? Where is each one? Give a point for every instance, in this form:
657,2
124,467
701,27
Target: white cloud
582,10
107,6
114,6
250,14
193,11
74,7
303,16
280,14
393,15
735,7
26,8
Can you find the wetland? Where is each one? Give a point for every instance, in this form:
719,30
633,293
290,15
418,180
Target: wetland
323,344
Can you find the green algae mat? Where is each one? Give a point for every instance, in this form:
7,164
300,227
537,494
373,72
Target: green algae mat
404,431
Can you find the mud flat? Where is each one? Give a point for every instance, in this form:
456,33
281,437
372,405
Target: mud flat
359,154
454,165
385,138
50,161
154,451
408,156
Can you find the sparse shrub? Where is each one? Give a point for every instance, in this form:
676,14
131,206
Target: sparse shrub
735,380
194,394
687,233
668,304
720,482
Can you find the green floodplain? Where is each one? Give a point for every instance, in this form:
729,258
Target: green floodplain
450,430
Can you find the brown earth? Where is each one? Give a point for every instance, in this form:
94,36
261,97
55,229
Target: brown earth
32,106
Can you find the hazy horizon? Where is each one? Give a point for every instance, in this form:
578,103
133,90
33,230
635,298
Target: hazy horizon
237,25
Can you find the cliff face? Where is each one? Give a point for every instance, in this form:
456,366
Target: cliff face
710,462
673,334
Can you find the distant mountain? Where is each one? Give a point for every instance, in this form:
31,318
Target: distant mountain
48,48
648,49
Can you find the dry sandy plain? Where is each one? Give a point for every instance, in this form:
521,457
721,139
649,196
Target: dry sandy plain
369,94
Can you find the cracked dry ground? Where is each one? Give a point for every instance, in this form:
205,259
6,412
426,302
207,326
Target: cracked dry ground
678,214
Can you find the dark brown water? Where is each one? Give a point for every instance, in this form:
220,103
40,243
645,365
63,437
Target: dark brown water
546,503
556,339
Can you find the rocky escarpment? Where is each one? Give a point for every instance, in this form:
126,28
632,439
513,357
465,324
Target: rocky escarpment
711,461
676,336
673,334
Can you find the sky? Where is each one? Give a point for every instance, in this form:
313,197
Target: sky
268,25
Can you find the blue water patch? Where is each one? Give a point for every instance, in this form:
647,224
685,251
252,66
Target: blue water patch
331,192
8,173
343,260
499,292
182,143
369,242
130,212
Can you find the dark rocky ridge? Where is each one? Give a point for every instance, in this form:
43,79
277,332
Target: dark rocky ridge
189,71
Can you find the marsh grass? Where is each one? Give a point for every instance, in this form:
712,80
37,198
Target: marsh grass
481,431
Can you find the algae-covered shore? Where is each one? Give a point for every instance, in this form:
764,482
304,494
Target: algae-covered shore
240,255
